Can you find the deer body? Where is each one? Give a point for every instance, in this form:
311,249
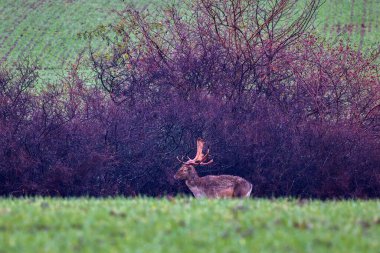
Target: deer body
223,186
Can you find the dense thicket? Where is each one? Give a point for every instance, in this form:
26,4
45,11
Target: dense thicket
289,113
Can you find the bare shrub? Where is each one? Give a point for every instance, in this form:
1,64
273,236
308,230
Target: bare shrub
291,114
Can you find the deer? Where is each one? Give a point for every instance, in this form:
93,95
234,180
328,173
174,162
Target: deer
223,186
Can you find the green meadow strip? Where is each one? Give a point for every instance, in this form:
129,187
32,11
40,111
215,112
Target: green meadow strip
188,225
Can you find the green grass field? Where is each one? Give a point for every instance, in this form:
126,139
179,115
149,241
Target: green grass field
47,29
357,20
188,225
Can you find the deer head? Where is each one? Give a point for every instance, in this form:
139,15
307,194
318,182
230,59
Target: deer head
187,170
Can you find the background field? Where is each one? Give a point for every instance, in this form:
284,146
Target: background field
47,29
188,225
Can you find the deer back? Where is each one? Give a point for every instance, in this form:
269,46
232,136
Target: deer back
224,186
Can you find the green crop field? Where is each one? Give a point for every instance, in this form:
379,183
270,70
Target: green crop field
356,20
47,29
188,225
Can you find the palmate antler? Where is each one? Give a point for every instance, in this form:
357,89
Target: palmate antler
200,158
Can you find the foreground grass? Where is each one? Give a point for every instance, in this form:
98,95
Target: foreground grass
188,225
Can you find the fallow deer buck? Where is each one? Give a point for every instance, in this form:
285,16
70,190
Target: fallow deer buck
223,186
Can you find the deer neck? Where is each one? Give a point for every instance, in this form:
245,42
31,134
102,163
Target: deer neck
193,178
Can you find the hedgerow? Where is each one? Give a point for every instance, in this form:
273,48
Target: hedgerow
279,107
